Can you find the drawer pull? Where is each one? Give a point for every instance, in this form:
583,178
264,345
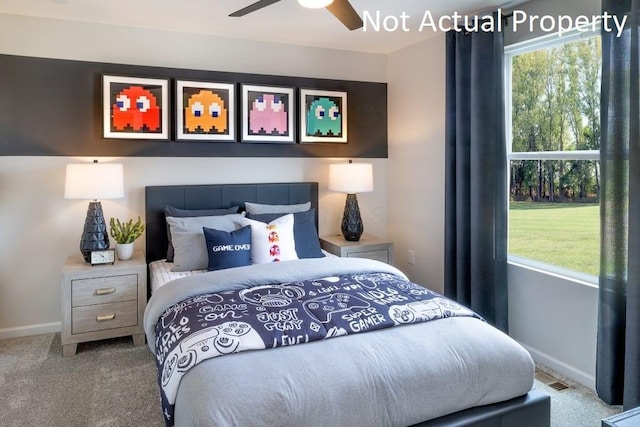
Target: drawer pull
105,317
105,291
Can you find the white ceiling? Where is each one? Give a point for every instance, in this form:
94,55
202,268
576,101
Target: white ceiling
284,22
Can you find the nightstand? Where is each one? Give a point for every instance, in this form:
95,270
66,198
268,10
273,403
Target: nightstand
628,418
102,301
367,247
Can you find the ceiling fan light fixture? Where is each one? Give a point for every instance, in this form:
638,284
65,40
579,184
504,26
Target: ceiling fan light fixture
315,4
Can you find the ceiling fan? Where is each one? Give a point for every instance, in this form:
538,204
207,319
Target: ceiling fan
341,9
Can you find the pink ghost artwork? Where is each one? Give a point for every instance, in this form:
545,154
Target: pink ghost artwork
268,115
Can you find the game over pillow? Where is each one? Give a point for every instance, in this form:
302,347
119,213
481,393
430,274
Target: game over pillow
228,249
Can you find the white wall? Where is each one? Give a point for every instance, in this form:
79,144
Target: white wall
39,228
416,159
554,317
50,38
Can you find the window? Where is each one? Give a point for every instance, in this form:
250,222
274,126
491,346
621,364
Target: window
553,137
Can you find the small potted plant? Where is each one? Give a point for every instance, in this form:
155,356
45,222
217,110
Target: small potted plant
125,233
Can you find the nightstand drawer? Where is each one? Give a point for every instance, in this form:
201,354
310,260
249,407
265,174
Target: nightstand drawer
104,316
375,255
103,290
367,247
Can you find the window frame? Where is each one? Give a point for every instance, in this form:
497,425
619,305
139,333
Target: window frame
547,41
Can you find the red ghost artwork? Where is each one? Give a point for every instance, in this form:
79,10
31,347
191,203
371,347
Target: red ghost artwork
274,250
136,107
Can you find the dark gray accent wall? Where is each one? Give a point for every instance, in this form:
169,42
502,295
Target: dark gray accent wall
52,107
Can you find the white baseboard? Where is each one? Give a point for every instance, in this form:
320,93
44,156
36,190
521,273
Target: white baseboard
561,367
25,331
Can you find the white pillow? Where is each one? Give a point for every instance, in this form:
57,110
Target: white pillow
190,249
272,242
260,208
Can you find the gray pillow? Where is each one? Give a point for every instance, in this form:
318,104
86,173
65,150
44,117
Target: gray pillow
190,251
185,213
260,208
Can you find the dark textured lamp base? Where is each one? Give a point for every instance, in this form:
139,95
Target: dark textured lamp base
352,227
95,235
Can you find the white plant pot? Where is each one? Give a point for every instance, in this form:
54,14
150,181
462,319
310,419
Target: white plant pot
124,251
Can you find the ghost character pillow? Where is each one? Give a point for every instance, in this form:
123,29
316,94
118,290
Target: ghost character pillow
272,242
304,231
228,249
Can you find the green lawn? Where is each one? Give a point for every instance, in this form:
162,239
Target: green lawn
561,234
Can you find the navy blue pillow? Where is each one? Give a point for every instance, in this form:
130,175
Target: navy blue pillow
304,231
226,250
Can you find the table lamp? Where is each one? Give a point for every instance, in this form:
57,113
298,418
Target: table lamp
94,181
351,178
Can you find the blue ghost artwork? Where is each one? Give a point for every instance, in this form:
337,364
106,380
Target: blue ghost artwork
324,118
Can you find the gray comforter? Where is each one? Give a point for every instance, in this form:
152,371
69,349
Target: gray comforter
396,376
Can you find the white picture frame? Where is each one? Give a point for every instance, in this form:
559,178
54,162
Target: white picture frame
135,107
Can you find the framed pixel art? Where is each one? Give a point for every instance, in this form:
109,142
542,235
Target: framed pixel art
205,111
323,116
135,108
267,114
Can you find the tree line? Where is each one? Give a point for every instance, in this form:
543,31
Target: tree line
556,107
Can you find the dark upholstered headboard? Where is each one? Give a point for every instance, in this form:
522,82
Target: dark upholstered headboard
215,196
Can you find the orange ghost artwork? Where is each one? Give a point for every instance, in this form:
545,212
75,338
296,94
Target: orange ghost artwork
205,110
137,108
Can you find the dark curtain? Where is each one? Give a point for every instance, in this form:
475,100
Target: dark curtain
476,175
618,351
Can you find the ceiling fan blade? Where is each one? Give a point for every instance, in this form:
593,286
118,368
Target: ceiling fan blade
253,7
343,10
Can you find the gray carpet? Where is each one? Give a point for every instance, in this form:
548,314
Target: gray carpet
112,383
108,383
575,406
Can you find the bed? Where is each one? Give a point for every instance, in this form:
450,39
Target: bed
454,370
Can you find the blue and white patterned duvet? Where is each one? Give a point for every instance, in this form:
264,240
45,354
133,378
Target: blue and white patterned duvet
275,315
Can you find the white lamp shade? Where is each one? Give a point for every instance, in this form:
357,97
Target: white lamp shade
351,177
315,4
94,181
